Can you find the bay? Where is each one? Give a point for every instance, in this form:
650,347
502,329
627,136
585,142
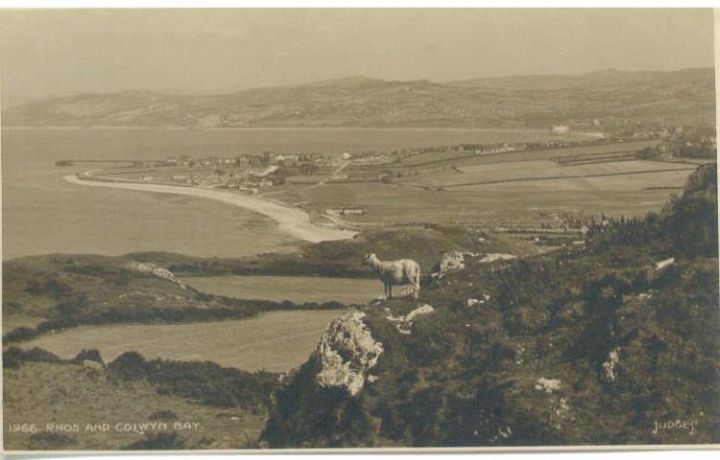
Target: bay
43,214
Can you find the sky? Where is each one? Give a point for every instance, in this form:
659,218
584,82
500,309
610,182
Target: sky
55,52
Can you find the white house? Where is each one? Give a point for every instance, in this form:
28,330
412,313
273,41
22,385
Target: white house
560,129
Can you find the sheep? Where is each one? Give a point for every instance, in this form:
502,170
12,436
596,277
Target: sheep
396,272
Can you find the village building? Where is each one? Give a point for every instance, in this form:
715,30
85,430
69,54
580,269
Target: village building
345,211
560,129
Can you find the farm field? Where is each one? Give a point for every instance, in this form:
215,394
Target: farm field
439,158
77,397
525,186
296,289
391,204
274,341
497,173
396,204
631,182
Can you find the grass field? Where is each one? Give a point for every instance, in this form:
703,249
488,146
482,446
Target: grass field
296,289
11,320
636,184
275,341
516,186
43,393
635,174
402,204
441,158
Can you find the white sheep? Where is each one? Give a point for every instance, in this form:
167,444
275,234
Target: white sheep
396,272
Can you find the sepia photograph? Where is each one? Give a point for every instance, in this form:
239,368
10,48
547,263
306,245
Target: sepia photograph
252,230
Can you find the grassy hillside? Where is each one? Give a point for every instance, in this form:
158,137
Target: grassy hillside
274,341
610,343
342,258
48,293
684,97
604,345
145,404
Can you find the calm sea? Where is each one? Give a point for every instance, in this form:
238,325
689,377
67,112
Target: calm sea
43,214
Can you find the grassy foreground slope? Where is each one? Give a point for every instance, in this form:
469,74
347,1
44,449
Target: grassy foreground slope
134,403
48,293
613,344
274,341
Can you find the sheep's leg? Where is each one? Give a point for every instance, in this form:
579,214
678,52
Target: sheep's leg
390,291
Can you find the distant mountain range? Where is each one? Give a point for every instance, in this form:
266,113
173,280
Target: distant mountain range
683,96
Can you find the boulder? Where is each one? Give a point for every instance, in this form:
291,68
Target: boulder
404,323
663,264
450,262
547,385
346,353
489,258
155,270
610,365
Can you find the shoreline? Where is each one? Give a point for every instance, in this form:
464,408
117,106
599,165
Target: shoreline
292,221
301,128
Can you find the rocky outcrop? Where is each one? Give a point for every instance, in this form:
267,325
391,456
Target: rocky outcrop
609,366
663,264
346,353
547,385
404,323
471,302
450,262
489,258
155,270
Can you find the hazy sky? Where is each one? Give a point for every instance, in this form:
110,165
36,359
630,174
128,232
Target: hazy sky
55,52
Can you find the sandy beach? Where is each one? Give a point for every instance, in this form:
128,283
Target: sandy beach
292,221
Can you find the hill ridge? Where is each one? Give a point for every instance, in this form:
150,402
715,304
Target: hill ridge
684,96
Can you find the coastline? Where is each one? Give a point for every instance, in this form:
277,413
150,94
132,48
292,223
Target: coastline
292,221
410,128
282,128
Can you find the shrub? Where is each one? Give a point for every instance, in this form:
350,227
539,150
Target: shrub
88,355
11,358
40,355
205,382
20,334
129,365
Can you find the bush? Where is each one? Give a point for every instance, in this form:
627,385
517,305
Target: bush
20,334
11,358
205,382
88,355
129,366
37,354
14,357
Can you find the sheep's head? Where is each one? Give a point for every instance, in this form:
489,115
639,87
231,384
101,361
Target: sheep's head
368,259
